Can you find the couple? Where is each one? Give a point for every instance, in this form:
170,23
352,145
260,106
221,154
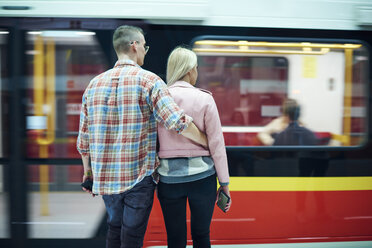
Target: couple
123,112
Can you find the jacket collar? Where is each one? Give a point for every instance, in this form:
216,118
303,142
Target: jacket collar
126,62
181,84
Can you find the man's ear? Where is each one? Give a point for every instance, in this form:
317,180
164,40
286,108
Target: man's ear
133,47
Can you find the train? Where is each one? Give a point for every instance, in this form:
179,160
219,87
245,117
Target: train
251,57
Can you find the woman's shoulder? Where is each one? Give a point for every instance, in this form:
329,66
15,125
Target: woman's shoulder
204,94
204,91
190,91
205,97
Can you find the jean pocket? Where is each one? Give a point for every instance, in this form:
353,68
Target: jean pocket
142,193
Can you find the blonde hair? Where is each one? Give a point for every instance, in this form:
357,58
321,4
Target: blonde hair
180,61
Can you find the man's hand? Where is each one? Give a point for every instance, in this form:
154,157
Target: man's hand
88,176
194,134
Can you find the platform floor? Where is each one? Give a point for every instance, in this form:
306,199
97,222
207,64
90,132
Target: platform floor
4,229
361,244
69,215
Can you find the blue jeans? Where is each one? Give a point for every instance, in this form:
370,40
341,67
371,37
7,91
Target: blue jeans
128,215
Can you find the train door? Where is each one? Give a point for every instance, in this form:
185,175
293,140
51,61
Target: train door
60,65
317,83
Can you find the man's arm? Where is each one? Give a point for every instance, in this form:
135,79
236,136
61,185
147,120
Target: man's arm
87,168
265,135
88,175
171,116
193,133
82,143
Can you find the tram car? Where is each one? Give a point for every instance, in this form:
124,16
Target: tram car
251,57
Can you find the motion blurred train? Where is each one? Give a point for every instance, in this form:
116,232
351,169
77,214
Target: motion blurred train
251,56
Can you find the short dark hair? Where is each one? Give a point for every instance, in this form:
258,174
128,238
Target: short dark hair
293,112
123,36
287,103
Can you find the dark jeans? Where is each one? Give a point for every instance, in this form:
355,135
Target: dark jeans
201,195
128,215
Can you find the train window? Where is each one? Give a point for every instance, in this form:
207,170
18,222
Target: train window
286,93
56,209
60,66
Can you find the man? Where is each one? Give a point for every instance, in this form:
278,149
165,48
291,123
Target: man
294,134
118,132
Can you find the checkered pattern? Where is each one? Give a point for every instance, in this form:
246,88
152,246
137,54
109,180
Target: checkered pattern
118,128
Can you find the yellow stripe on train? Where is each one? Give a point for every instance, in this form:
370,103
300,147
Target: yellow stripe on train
300,183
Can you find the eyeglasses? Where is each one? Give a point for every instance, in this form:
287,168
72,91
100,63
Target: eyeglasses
144,46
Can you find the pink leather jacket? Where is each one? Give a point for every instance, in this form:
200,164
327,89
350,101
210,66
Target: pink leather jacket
200,105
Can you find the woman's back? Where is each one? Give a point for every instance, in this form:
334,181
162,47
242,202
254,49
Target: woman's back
188,170
196,103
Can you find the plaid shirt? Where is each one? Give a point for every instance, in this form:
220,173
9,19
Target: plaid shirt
118,128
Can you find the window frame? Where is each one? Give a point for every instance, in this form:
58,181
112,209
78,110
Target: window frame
368,117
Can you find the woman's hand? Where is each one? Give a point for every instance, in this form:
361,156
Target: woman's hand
226,190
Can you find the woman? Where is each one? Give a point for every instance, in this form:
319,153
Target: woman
187,170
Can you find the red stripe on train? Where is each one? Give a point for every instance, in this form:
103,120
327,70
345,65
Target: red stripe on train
263,217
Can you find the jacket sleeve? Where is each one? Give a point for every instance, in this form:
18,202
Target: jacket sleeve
216,141
165,110
83,137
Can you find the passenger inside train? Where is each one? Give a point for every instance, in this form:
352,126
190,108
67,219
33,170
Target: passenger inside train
294,134
267,135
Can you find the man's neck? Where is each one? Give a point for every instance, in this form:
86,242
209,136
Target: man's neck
123,56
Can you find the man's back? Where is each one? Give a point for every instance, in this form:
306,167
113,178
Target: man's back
295,135
121,106
117,133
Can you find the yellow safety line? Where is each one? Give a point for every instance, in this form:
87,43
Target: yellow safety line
300,183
